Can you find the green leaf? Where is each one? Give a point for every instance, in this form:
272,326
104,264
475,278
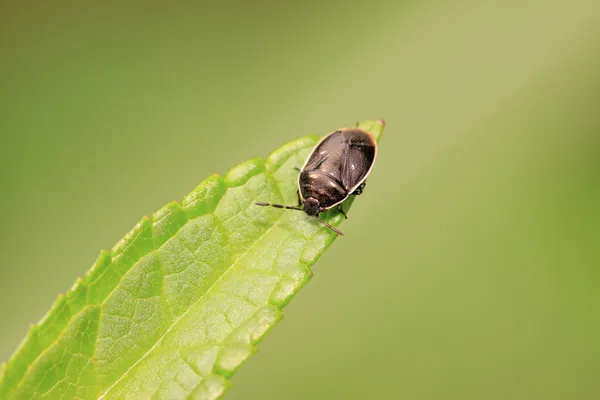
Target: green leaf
179,303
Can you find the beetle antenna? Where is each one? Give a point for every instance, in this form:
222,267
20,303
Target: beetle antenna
278,206
260,203
331,227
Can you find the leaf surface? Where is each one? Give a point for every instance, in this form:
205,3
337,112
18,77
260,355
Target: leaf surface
181,301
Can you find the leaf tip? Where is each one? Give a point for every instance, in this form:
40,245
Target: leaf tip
374,127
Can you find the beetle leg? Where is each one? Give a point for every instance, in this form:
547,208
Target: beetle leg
299,198
359,189
341,210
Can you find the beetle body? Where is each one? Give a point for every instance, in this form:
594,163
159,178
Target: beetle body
337,167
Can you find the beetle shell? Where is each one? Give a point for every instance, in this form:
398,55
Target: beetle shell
338,165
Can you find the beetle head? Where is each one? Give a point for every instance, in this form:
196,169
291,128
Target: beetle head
312,206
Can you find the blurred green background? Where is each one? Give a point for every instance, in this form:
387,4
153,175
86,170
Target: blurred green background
470,266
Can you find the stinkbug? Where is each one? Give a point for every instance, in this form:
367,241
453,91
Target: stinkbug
336,168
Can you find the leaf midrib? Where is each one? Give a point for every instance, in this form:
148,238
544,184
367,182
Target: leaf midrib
22,379
208,290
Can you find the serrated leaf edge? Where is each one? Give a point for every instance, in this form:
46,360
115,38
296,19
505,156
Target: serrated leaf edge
202,200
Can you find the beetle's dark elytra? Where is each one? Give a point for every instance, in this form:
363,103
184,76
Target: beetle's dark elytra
337,167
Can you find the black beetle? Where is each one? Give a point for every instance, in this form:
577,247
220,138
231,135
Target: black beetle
337,167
